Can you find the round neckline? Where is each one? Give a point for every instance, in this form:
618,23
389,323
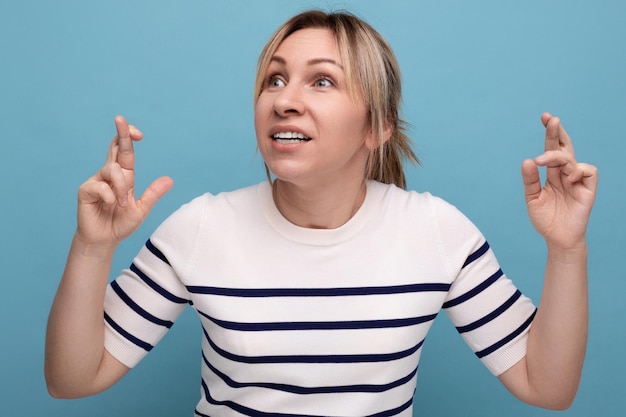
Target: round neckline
319,237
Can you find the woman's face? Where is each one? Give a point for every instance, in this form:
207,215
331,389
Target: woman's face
309,129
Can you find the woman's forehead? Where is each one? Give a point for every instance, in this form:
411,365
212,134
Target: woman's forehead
314,43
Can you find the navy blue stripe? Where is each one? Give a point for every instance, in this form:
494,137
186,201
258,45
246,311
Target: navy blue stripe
294,389
394,411
156,252
318,292
474,291
156,287
137,308
480,252
478,323
507,339
320,325
144,345
380,357
255,413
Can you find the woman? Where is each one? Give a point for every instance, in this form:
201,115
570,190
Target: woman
316,289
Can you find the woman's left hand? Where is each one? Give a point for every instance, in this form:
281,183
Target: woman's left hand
560,209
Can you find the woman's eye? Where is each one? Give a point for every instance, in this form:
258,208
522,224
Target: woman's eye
275,81
323,82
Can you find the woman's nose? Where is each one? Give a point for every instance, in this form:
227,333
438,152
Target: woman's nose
289,101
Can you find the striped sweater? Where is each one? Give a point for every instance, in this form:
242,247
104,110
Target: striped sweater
316,322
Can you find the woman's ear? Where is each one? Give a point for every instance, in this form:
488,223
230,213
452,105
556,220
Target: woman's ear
371,141
388,131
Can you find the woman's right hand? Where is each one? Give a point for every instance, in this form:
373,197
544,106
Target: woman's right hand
107,209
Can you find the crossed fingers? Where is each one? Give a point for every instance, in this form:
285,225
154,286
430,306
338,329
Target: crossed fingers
559,156
121,158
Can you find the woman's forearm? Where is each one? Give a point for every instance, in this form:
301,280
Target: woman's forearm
75,334
558,337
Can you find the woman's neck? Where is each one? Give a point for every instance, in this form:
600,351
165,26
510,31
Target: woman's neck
319,207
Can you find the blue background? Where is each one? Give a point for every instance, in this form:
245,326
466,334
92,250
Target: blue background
477,76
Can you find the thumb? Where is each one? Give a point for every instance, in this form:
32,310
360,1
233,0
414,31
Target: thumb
154,192
531,180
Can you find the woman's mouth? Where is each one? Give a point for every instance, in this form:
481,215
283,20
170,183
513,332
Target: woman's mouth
290,137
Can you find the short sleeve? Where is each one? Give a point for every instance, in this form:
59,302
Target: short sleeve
487,309
144,301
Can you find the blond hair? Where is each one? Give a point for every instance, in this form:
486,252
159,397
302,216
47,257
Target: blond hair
372,74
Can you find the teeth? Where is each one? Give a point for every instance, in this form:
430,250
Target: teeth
290,135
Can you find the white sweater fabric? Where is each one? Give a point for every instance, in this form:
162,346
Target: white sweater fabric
316,322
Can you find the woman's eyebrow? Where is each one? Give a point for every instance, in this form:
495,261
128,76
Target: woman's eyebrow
313,61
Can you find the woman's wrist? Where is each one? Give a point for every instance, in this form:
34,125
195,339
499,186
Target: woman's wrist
100,250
